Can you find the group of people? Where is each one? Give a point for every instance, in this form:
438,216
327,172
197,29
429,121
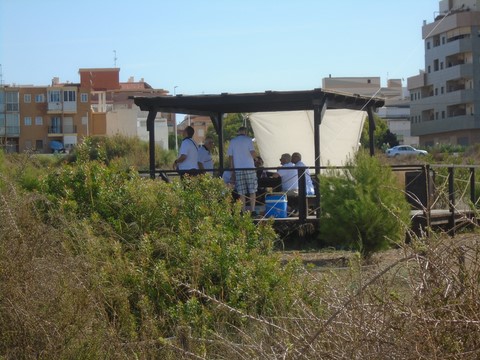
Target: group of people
246,164
193,159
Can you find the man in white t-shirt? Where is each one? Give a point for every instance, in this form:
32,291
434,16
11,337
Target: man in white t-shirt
205,161
241,153
187,162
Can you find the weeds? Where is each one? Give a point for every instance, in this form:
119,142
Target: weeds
103,264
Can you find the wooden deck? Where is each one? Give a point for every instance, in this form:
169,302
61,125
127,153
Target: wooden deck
421,221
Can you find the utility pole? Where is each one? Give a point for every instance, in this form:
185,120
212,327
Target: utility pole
175,122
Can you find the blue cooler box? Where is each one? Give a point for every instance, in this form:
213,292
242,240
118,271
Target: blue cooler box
276,205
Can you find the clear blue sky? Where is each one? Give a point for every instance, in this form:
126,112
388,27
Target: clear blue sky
213,46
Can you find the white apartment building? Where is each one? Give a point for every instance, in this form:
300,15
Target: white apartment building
445,96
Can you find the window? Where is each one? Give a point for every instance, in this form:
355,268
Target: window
429,69
27,121
442,90
435,65
84,97
39,144
443,114
69,95
12,100
428,45
27,98
39,98
38,120
54,95
55,127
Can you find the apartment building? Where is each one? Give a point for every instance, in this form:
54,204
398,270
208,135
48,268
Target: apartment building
114,112
9,118
445,96
396,111
44,118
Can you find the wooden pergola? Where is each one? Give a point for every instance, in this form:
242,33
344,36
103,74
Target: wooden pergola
215,106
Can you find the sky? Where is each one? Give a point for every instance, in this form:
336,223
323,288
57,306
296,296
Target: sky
213,46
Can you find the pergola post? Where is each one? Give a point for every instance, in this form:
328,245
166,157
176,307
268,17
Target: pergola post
217,122
319,107
371,130
152,114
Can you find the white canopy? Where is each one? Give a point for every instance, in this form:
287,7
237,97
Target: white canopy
292,131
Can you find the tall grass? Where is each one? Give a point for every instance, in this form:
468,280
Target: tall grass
103,264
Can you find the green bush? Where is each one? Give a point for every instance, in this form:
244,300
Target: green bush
362,208
157,244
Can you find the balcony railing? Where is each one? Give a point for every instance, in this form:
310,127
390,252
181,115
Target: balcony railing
55,130
9,130
66,129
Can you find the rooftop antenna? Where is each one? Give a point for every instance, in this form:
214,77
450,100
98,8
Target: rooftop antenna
114,58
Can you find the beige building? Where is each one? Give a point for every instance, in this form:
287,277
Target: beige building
43,118
396,111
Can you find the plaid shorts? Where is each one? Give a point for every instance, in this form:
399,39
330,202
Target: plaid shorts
246,182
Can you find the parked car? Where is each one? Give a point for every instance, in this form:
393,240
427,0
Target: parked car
404,150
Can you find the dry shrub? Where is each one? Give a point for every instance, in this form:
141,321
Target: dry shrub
421,304
47,309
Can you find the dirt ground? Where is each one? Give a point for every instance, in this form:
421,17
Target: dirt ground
329,258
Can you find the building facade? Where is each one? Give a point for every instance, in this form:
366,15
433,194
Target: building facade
396,111
199,123
9,118
47,118
445,96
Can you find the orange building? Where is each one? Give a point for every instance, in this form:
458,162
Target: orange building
45,118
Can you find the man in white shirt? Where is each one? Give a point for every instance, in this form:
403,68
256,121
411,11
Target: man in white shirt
241,153
289,176
205,161
297,160
187,162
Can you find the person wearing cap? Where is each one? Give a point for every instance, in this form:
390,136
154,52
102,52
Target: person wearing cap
241,154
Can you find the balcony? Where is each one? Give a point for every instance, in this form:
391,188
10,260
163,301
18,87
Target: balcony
62,107
459,122
59,130
11,131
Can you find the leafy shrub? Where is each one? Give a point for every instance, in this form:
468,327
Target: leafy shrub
157,242
362,208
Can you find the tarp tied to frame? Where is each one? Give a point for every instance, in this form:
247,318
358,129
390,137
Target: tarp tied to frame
282,132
